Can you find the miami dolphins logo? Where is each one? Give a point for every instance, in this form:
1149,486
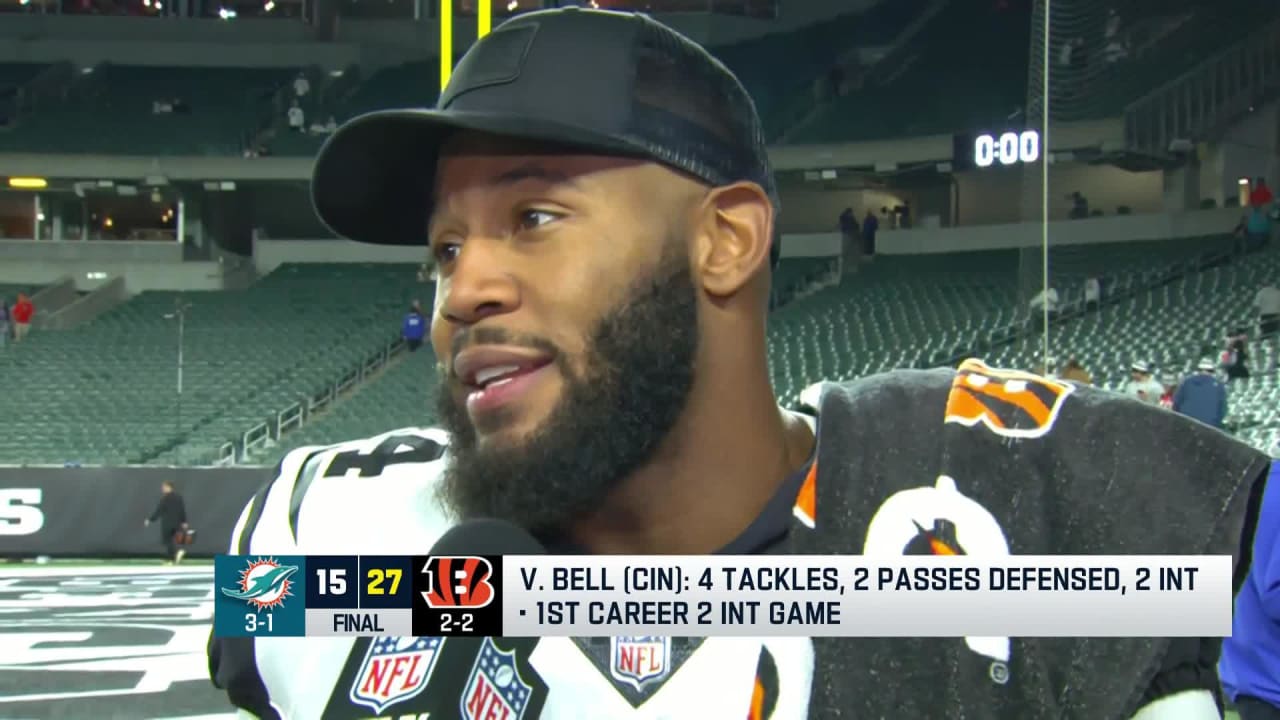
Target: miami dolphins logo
263,584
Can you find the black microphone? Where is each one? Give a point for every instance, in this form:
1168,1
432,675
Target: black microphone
469,676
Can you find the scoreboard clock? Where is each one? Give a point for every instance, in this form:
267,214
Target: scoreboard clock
996,149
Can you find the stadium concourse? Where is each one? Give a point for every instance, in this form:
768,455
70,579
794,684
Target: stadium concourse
194,320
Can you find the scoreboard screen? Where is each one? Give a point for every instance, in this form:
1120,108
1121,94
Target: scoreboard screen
365,596
995,149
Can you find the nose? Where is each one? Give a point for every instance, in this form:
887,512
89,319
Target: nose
479,285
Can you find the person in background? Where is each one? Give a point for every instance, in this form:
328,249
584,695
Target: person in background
4,322
171,513
1267,303
414,328
1236,357
1170,383
870,224
20,315
297,118
1092,293
1079,206
850,240
1044,300
1142,385
1201,396
1250,664
1260,195
301,85
1074,372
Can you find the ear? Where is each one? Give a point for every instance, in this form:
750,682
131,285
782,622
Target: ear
734,237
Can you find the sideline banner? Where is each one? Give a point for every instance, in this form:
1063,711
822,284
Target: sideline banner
99,511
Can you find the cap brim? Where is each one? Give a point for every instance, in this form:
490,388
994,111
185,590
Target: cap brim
373,179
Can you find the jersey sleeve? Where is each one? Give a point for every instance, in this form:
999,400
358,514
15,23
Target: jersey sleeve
268,524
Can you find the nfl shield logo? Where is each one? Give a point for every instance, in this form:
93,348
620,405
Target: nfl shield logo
394,670
638,660
495,690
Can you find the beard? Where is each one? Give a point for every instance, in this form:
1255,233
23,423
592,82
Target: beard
609,420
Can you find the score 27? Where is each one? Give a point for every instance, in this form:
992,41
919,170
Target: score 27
333,581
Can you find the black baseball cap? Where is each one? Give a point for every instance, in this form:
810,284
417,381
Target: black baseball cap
604,82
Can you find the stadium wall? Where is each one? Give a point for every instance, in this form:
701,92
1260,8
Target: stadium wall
1129,228
87,512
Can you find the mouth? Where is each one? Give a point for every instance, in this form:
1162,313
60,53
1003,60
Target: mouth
495,376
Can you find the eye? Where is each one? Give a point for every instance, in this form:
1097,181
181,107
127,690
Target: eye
533,218
445,252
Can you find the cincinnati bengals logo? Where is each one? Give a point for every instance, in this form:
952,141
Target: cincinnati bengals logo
1009,403
458,582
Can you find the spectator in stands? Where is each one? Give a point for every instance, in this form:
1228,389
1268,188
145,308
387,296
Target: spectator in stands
4,322
1046,299
870,224
1257,223
21,313
297,118
1267,303
1074,372
1250,675
1142,385
1260,195
414,328
1236,357
1092,293
301,85
171,513
1201,396
850,240
1114,49
1079,206
1169,382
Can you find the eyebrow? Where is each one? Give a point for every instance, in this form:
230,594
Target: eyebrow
534,172
521,174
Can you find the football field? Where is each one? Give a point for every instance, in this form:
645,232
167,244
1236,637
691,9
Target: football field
106,641
124,642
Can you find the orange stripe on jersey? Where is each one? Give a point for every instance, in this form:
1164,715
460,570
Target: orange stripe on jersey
807,498
757,702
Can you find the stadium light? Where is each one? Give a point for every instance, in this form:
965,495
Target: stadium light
25,183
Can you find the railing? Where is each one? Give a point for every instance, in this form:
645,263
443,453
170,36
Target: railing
1204,99
299,413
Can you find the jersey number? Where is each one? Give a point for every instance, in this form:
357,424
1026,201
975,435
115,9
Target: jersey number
421,450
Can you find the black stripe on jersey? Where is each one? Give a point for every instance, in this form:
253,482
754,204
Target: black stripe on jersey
232,668
306,476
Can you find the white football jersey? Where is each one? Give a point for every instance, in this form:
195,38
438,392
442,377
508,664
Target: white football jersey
377,496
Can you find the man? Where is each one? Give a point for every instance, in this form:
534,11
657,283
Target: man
1142,385
604,234
1251,656
414,328
171,513
1267,303
1075,372
1202,396
1046,299
21,313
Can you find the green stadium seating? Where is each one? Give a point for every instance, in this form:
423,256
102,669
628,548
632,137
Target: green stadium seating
985,57
110,110
106,392
15,75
